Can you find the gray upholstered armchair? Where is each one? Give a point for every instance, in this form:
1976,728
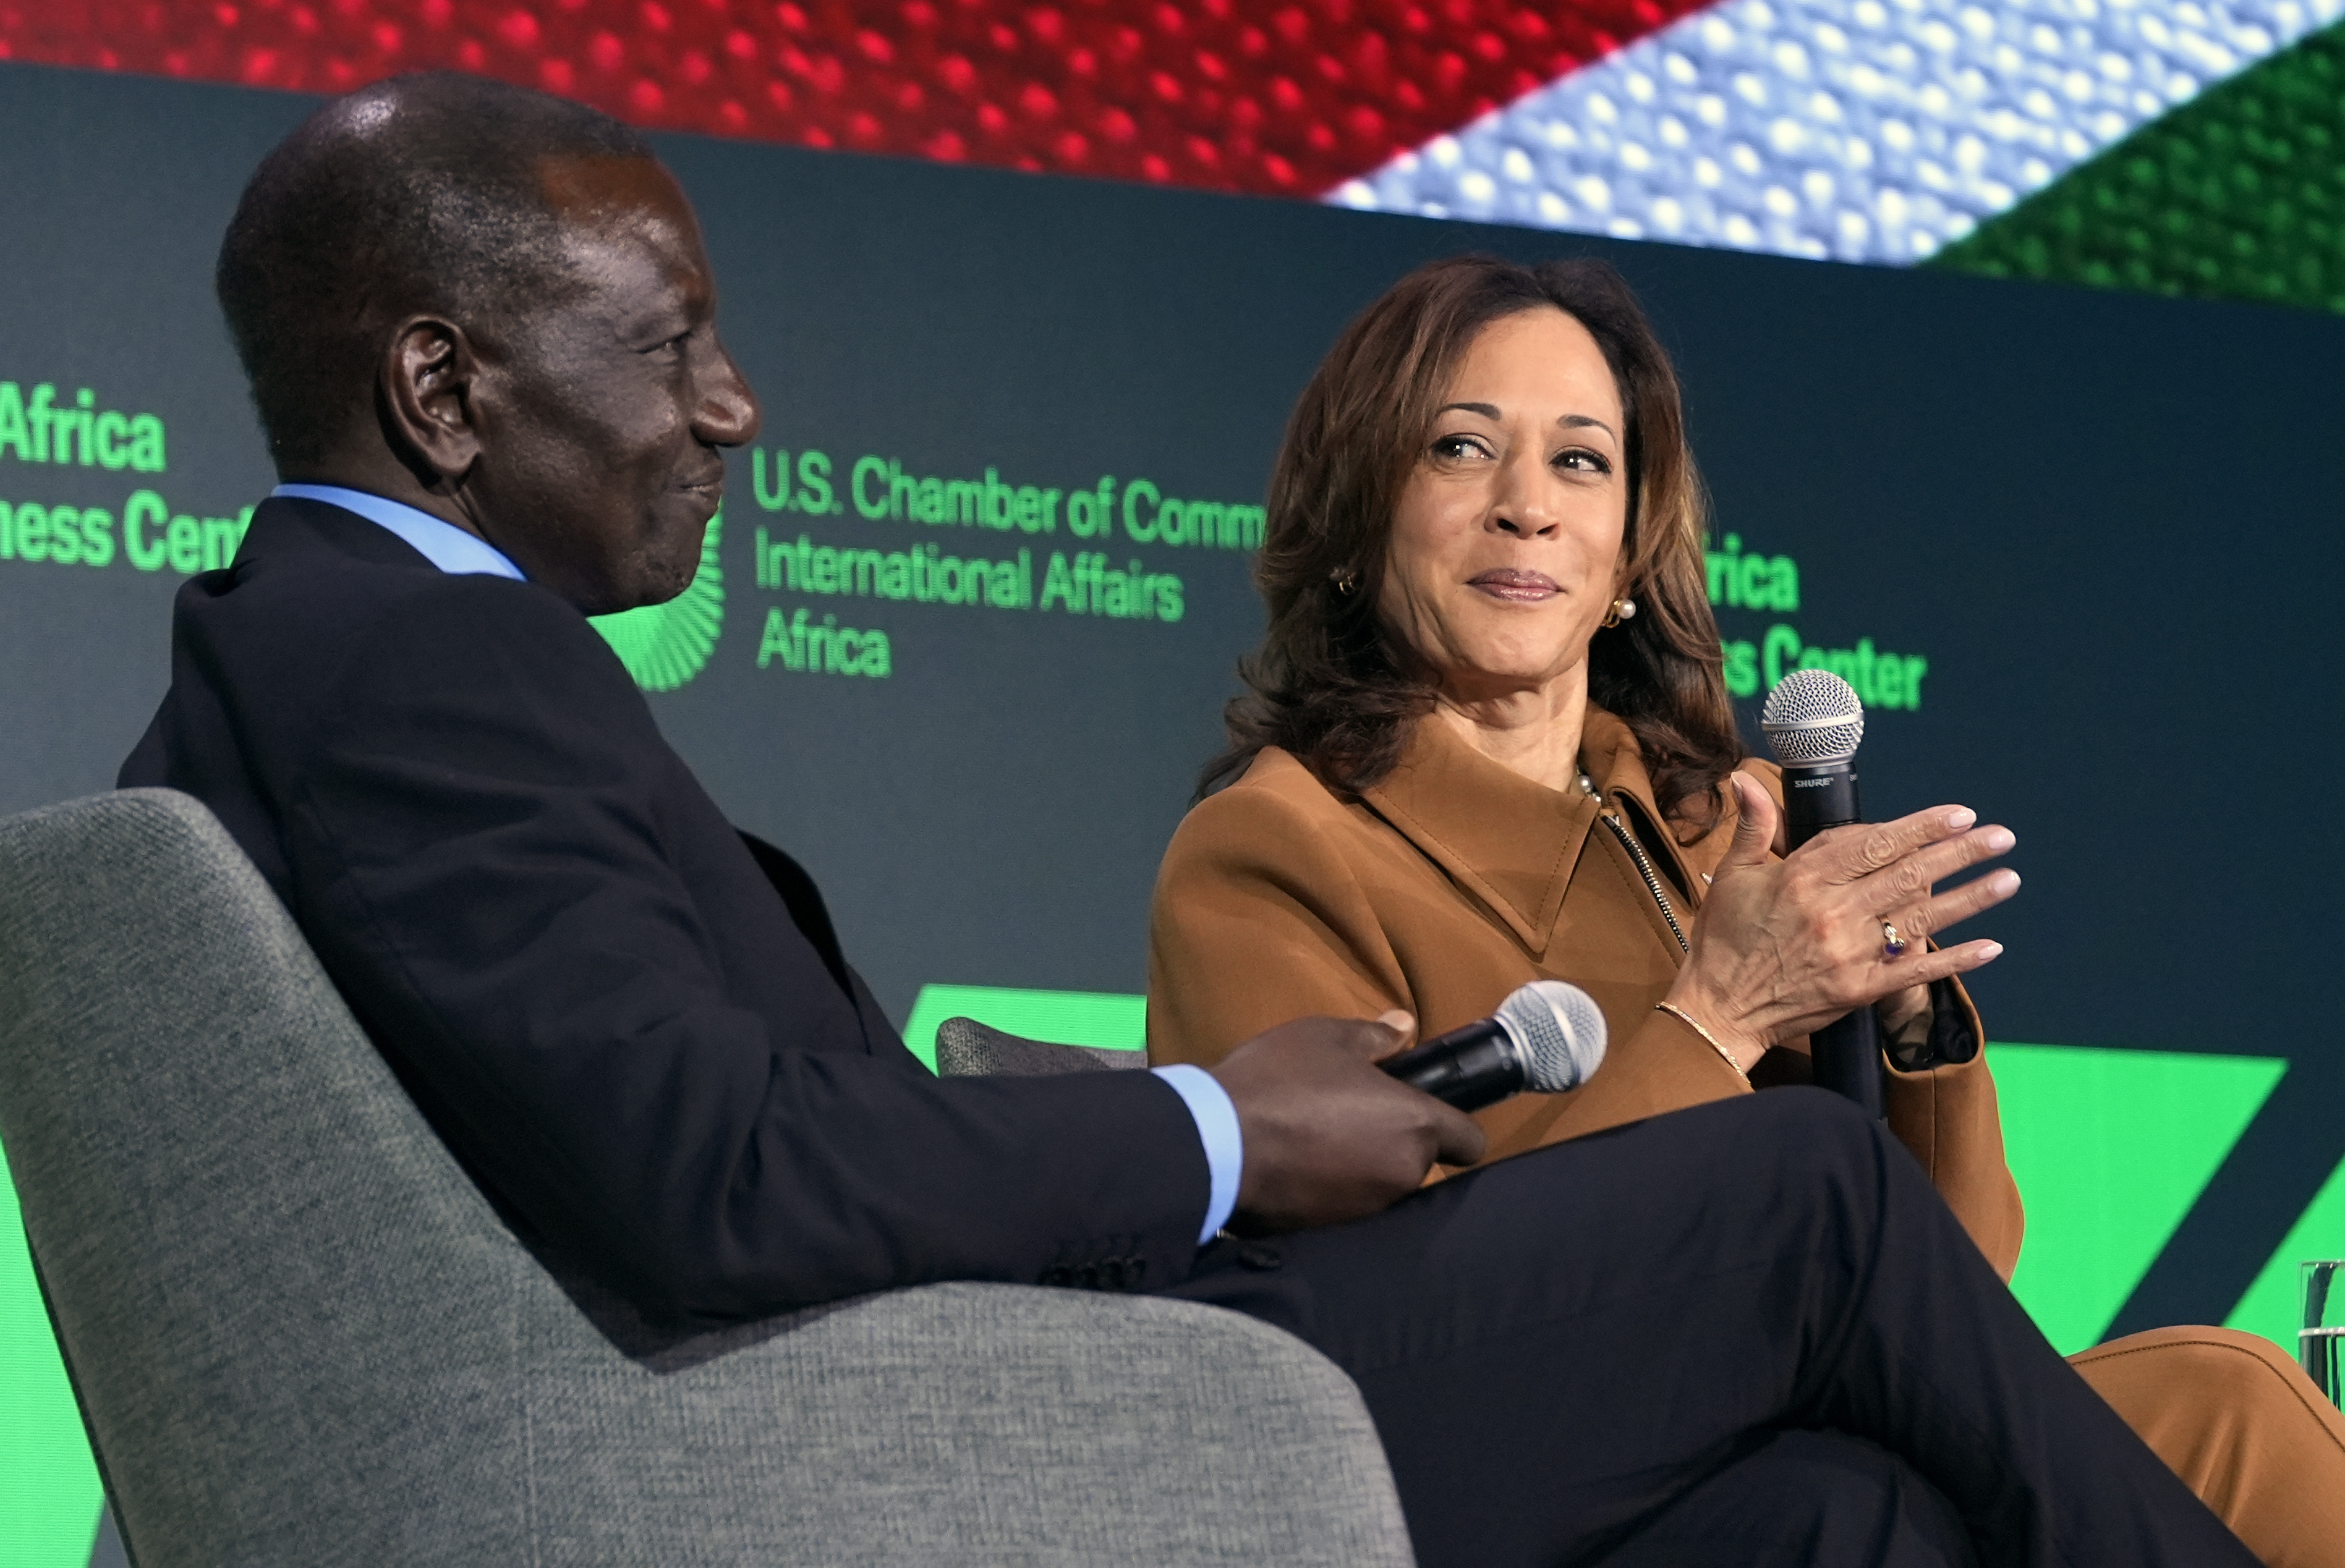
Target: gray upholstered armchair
300,1336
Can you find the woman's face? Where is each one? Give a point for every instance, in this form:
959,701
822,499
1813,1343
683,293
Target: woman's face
1507,541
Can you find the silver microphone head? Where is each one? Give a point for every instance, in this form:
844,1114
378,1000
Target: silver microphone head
1812,716
1559,1030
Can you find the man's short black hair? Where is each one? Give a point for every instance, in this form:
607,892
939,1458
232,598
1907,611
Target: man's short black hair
421,193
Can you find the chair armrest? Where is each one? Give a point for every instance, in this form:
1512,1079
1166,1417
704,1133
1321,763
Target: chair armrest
978,1423
967,1048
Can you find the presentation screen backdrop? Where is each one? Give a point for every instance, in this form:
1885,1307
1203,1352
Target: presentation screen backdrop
961,637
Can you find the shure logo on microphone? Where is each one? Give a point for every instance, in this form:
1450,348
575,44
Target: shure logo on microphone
1812,783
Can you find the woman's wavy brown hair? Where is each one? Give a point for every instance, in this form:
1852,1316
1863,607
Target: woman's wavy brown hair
1330,683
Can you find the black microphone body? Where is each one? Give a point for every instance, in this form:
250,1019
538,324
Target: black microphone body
1846,1052
1547,1036
1468,1067
1817,795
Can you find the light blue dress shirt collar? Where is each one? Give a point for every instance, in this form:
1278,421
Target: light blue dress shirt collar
443,545
451,550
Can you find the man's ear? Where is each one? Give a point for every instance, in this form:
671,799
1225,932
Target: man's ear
425,399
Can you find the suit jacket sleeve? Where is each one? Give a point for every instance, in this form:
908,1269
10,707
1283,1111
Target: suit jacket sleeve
1257,919
486,846
1949,1118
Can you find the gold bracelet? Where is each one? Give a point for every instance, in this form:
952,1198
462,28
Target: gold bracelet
1682,1017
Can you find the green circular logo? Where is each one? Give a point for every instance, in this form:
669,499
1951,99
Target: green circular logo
664,645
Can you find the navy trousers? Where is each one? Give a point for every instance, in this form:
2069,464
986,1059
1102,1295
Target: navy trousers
1748,1332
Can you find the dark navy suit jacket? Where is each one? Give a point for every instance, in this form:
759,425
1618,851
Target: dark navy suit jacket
632,1024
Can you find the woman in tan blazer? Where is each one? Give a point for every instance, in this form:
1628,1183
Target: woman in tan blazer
1488,741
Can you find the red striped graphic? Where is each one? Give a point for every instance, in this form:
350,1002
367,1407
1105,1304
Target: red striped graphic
1277,98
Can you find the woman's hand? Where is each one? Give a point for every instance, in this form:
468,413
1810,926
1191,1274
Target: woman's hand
1898,1008
1782,948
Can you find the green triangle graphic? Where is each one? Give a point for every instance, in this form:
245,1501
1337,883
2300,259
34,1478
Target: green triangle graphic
664,645
2110,1150
49,1493
2238,194
2274,1305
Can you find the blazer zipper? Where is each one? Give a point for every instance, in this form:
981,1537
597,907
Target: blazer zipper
1645,869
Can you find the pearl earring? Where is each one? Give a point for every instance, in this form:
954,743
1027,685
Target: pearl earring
1622,610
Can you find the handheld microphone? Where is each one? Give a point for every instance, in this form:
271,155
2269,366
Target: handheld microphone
1813,722
1547,1036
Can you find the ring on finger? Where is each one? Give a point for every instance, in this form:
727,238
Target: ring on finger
1893,945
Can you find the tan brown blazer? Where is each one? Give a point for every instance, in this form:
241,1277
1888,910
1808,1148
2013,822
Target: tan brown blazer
1455,881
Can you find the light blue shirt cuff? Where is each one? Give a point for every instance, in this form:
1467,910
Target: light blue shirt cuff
1217,1129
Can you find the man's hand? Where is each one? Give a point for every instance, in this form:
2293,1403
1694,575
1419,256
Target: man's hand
1328,1136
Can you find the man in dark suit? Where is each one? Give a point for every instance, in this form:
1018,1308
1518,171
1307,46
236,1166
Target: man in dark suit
479,328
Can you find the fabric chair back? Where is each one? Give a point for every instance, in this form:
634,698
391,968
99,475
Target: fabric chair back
300,1335
244,1228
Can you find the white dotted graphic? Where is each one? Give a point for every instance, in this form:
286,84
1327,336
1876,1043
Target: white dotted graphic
1853,130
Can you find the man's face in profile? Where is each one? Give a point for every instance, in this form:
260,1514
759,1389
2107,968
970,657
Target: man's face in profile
603,408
